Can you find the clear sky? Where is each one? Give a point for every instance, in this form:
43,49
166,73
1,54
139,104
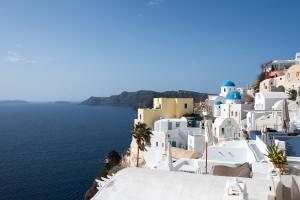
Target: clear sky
70,50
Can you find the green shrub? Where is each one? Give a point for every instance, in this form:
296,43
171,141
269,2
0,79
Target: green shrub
276,156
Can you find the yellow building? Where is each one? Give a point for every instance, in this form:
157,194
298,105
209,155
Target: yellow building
162,108
165,108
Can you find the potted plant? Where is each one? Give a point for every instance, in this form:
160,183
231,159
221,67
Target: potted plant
277,157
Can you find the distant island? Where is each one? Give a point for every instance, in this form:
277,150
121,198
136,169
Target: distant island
13,101
142,98
62,102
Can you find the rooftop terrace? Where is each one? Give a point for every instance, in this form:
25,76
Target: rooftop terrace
140,184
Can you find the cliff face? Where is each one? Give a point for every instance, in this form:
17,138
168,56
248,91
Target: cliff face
142,98
90,193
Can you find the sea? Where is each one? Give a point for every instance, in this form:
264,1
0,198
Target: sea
53,151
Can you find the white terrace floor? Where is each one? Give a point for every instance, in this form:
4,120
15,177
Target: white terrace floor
147,184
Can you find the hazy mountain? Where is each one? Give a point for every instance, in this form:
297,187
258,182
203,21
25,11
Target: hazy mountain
142,98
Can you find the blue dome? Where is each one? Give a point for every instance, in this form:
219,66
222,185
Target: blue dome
229,84
218,103
234,95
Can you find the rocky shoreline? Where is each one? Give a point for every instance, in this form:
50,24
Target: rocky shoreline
112,164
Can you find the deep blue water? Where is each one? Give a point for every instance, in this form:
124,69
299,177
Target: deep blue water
53,151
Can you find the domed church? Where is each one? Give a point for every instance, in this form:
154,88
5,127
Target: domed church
226,88
229,109
234,97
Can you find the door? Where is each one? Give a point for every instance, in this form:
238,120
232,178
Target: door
173,143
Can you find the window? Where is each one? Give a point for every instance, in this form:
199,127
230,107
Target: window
162,145
298,74
185,105
236,113
224,89
231,113
222,131
169,125
177,124
140,116
156,144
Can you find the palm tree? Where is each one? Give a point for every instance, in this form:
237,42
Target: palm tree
142,135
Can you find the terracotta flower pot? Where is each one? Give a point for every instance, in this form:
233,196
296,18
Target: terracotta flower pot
276,165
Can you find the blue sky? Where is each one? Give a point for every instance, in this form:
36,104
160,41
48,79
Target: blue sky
70,50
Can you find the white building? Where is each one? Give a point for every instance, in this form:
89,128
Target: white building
265,100
230,102
232,107
225,129
211,101
217,108
228,164
235,111
179,132
196,142
176,129
262,119
229,112
264,182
